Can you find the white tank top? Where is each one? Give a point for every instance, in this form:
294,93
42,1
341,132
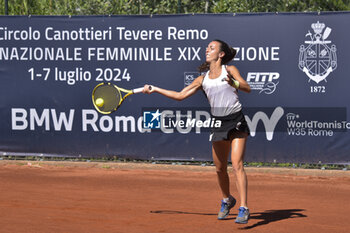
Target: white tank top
222,97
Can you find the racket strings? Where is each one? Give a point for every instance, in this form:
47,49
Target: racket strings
110,95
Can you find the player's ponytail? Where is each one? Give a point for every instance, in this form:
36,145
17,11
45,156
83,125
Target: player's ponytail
230,52
204,67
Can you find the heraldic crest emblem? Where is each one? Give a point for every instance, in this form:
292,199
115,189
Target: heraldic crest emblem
317,57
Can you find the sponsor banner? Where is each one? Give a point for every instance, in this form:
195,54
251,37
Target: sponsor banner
295,64
292,121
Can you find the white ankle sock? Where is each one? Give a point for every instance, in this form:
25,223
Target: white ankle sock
228,199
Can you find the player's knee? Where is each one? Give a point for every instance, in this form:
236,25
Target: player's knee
221,170
237,166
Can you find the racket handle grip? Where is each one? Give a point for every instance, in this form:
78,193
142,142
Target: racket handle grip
139,90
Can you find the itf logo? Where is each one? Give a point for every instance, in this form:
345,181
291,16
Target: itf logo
151,119
291,116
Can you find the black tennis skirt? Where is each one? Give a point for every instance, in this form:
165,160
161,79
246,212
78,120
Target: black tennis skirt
229,124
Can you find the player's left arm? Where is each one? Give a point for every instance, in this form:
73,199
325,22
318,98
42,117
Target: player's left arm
234,72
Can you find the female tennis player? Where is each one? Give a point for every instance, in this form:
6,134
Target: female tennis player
220,84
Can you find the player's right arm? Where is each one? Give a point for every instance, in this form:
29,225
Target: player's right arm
177,95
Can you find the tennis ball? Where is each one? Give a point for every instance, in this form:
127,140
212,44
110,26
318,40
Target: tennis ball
99,102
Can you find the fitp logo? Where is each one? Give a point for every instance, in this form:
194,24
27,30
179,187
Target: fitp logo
264,82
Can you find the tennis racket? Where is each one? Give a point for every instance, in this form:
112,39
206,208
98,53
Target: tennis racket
107,97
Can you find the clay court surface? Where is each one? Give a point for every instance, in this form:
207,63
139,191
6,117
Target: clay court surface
125,197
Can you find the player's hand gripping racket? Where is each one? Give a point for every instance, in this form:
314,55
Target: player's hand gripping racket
107,97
